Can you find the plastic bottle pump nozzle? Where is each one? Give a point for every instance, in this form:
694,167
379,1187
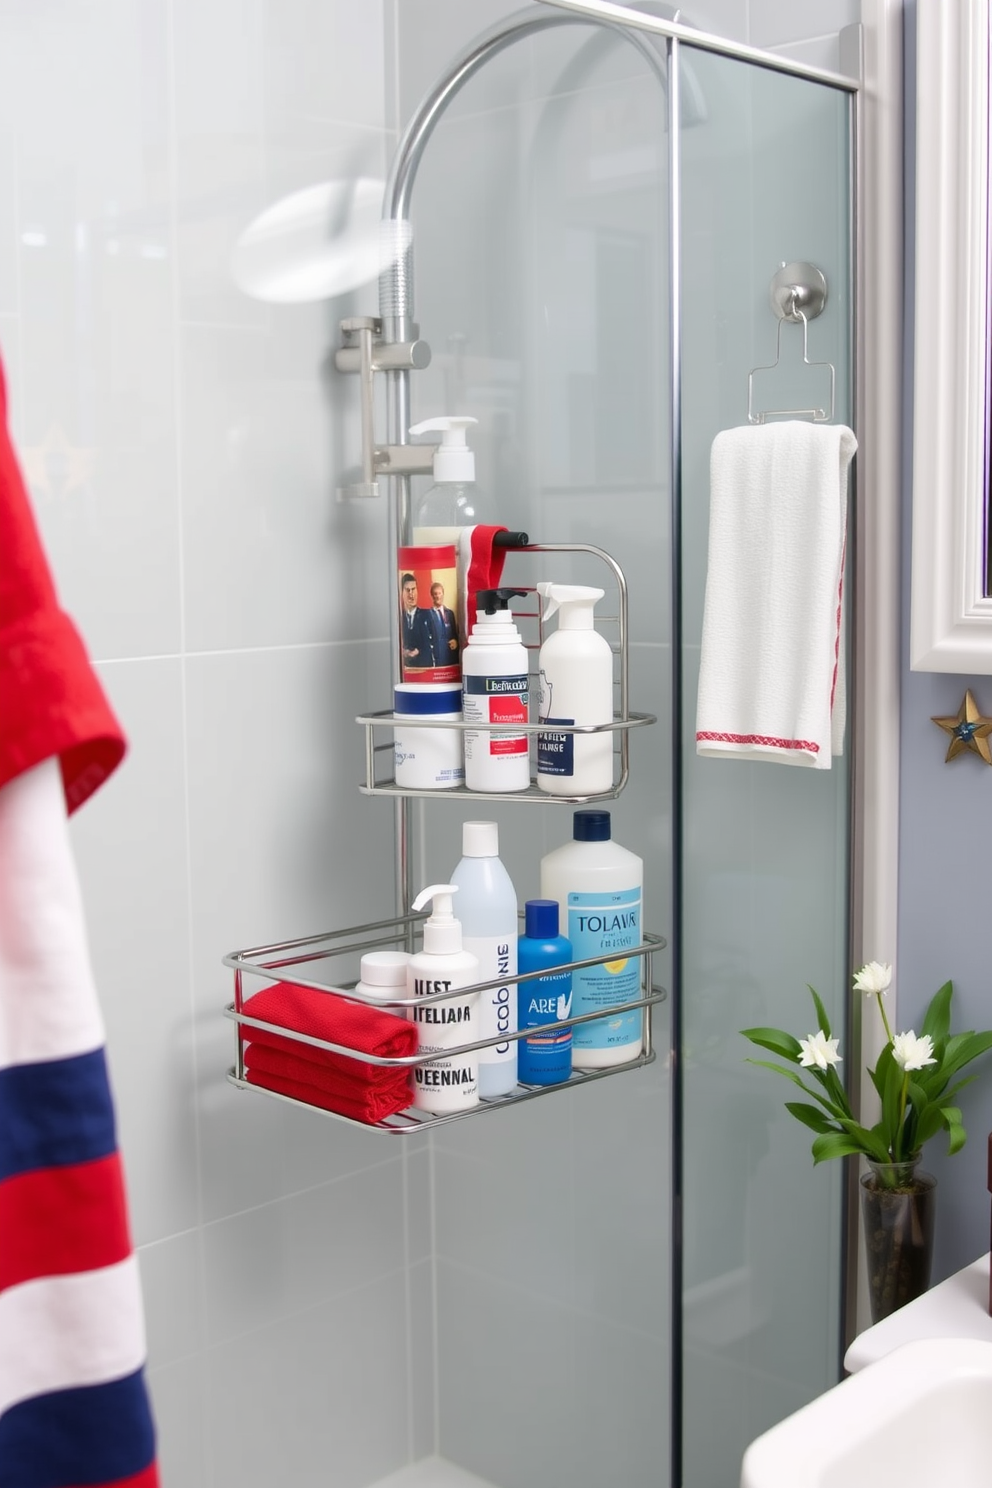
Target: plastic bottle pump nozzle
575,602
442,932
453,460
494,601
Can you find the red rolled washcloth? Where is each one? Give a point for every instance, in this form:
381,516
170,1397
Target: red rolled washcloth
331,1089
267,1061
372,1105
322,1015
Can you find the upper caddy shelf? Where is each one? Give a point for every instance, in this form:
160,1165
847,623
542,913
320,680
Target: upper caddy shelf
379,779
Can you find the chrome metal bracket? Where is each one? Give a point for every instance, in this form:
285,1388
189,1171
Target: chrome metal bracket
362,350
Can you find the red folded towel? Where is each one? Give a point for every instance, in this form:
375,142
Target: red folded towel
264,1060
362,1102
322,1015
480,565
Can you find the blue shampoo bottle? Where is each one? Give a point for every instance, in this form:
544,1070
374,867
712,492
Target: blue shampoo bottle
543,1058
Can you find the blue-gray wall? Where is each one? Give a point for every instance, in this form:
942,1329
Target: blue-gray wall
945,817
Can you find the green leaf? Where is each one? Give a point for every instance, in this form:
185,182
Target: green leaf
958,1085
796,1079
929,1124
962,1049
775,1040
917,1096
868,1142
937,1020
835,1089
880,1073
810,1116
821,1012
890,1105
834,1144
956,1134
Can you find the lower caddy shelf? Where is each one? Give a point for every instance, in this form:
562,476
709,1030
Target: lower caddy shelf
298,961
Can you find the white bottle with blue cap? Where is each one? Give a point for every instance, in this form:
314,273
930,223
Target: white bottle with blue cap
598,886
427,758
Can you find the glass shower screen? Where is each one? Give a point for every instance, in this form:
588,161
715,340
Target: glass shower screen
765,180
543,221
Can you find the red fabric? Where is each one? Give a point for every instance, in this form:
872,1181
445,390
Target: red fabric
351,1024
52,702
370,1104
38,1241
485,566
389,1089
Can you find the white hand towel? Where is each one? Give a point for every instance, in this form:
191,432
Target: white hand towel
771,683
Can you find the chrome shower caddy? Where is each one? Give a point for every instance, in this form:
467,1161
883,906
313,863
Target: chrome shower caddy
297,960
529,622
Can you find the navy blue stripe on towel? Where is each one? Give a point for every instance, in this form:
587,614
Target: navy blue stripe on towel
72,1438
55,1112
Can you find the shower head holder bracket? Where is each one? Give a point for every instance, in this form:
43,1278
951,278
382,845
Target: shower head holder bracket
364,351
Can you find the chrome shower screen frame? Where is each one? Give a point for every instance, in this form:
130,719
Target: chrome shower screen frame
660,42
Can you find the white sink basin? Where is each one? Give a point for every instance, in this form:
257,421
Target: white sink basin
922,1414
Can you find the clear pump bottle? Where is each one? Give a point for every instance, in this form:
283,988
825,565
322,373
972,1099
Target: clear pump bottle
452,502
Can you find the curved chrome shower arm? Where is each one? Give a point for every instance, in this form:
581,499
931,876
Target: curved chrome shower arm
396,282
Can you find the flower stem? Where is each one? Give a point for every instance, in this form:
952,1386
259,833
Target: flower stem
885,1021
899,1155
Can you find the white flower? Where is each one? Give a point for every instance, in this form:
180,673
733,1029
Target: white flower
819,1050
912,1053
876,976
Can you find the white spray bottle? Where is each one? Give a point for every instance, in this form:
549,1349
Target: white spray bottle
575,687
451,504
450,1082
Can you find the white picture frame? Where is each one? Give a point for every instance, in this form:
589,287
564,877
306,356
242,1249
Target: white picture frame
951,615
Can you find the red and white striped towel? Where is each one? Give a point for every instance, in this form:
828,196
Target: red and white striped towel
73,1403
771,681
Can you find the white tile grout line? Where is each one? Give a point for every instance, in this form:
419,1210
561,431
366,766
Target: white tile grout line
173,169
213,653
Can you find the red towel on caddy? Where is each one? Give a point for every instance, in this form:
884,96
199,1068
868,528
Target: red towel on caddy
352,1087
73,1401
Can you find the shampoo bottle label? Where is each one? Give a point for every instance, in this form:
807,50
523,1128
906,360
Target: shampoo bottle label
495,700
556,752
451,1081
597,924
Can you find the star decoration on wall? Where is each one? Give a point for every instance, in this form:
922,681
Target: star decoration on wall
969,730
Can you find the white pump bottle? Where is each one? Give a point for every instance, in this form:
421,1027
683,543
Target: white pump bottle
451,504
450,1082
575,687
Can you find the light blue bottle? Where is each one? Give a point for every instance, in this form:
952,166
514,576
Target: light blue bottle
543,1058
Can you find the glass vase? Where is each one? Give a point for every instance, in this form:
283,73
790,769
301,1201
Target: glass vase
898,1204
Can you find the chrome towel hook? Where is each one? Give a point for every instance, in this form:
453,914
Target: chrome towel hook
798,293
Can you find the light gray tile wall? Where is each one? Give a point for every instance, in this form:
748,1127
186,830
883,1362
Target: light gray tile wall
182,445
